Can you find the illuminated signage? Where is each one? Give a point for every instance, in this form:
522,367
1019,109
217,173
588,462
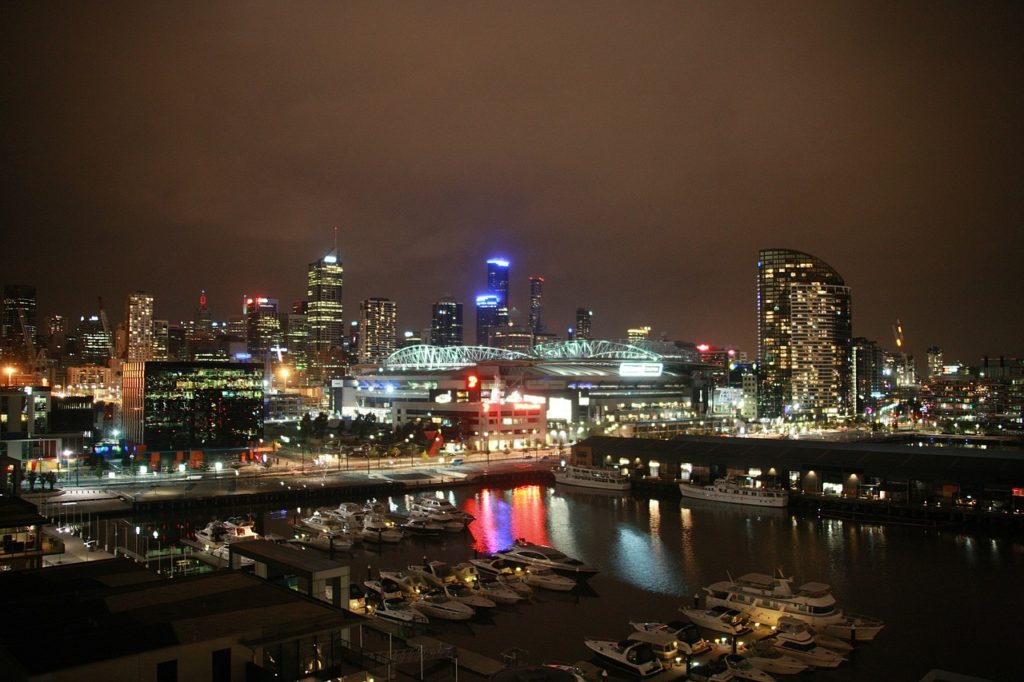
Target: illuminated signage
500,262
443,398
640,369
1018,492
330,259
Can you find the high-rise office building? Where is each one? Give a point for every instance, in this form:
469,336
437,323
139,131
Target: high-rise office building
803,336
584,324
17,322
867,360
263,329
377,328
497,284
161,339
486,317
638,334
934,355
139,327
296,336
536,293
324,315
94,342
202,324
446,323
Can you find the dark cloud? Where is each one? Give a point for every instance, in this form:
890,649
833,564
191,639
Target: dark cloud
636,155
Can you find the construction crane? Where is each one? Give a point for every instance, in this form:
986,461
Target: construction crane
106,328
36,360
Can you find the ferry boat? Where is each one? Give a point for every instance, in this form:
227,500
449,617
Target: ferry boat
602,478
766,599
735,492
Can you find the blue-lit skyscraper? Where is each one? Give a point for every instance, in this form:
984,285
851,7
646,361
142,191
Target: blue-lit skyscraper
486,317
497,284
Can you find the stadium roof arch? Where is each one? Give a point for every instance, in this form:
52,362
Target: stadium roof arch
427,357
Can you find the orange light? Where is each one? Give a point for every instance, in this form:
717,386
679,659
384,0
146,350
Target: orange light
472,381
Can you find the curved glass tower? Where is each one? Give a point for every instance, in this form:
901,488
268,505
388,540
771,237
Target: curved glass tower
804,335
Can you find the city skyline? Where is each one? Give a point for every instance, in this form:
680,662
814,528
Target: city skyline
640,182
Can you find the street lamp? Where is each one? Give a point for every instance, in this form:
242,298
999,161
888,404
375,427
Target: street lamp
284,374
9,371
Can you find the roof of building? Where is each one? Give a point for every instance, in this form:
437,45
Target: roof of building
990,465
15,511
102,610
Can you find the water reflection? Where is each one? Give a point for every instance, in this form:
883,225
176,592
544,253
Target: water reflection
502,518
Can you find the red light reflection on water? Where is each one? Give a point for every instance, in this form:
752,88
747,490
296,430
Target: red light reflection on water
501,518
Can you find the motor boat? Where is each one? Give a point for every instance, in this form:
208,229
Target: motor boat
348,513
600,478
212,535
510,575
378,529
437,572
766,657
448,525
396,611
714,671
732,491
335,541
236,530
743,669
524,552
496,591
766,599
320,522
439,509
636,657
223,552
434,603
720,619
422,526
546,579
664,645
801,645
467,596
385,589
410,585
689,640
583,671
794,626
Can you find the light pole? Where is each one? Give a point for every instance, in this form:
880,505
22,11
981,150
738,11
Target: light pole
9,371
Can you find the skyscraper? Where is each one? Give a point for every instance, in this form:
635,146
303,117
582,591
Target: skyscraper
866,363
584,324
263,328
446,323
94,341
203,322
497,284
139,327
17,321
638,334
536,292
486,317
934,355
803,336
324,316
161,340
377,329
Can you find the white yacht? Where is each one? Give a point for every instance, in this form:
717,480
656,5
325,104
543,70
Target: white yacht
732,491
502,571
795,626
743,669
801,645
766,599
689,640
764,656
720,619
712,671
446,523
378,529
545,578
636,657
320,522
236,530
602,478
396,611
436,604
332,541
212,536
439,509
541,556
348,513
422,526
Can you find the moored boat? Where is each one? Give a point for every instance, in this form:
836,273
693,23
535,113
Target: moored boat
720,618
601,478
766,657
743,669
636,657
689,640
801,645
542,556
732,491
766,599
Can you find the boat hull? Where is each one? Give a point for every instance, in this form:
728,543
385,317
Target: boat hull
581,477
695,492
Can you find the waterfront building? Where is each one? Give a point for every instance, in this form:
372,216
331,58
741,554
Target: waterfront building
325,312
584,324
139,327
803,336
536,295
377,329
487,306
446,323
17,322
192,405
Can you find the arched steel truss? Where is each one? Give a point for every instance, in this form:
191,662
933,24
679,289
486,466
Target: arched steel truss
426,357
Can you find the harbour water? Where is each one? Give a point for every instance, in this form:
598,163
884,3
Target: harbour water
950,601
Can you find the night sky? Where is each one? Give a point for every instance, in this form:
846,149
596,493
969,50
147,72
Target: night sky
637,155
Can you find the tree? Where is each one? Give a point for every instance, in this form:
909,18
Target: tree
305,428
32,477
51,478
320,426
